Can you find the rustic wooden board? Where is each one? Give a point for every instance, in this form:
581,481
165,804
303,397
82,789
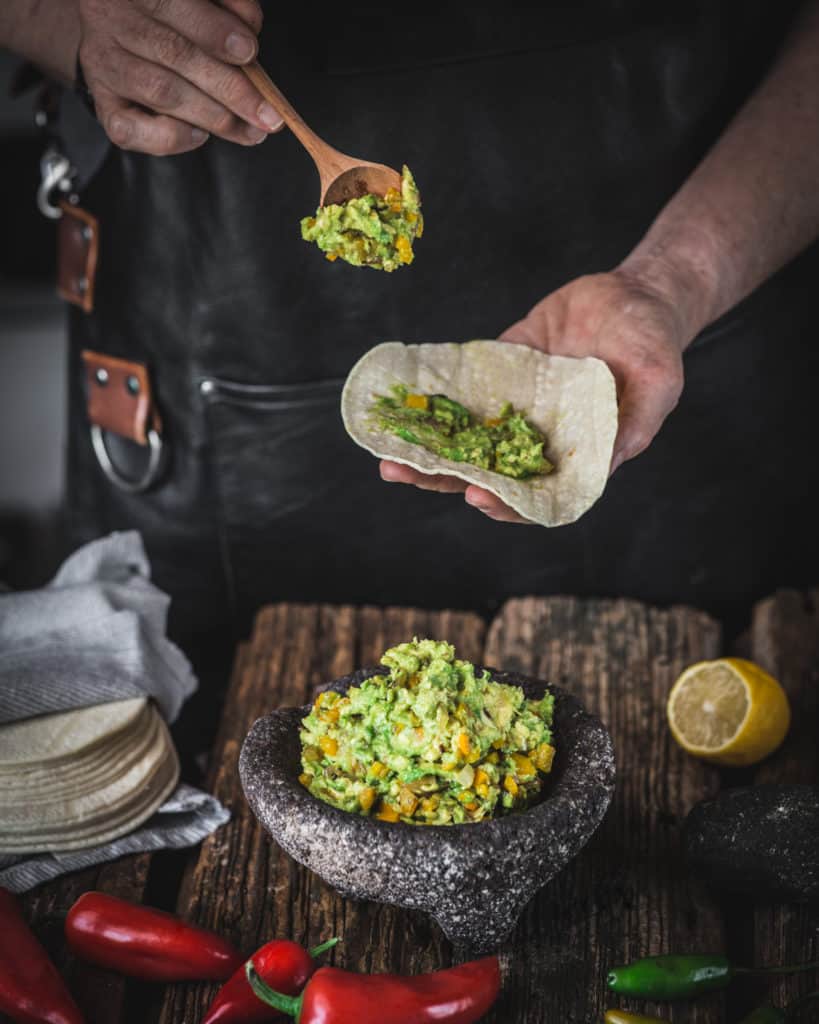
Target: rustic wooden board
785,640
626,895
241,883
101,995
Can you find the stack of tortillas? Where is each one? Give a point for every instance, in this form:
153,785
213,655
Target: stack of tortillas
82,778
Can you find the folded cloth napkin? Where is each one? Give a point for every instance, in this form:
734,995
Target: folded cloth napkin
96,633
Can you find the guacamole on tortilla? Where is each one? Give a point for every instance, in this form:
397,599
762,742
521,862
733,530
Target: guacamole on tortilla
370,231
431,741
505,444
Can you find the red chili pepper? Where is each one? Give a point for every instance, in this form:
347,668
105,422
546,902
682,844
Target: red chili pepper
31,989
146,943
284,966
459,995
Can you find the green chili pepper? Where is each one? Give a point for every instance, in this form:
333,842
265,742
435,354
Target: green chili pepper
624,1017
671,977
680,977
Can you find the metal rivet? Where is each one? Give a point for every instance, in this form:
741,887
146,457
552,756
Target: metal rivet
41,119
101,376
82,285
206,387
132,385
87,233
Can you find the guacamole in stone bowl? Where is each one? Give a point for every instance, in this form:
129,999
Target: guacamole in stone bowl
473,877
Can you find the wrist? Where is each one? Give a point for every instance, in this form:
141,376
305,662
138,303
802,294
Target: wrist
679,268
44,32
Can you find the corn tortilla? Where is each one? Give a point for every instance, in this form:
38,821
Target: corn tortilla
572,401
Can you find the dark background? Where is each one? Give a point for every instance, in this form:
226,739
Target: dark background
32,353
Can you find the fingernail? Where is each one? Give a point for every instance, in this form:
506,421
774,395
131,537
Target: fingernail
240,46
198,135
270,117
255,135
119,129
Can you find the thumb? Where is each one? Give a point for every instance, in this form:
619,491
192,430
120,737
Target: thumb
522,333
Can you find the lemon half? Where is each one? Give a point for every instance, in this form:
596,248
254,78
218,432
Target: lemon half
729,711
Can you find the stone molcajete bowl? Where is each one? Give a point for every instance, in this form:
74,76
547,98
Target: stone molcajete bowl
474,879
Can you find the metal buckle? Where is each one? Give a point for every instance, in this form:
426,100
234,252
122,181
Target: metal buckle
56,173
152,470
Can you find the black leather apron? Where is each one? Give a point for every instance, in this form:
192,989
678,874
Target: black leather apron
544,142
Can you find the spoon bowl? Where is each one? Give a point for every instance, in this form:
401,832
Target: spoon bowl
342,177
360,180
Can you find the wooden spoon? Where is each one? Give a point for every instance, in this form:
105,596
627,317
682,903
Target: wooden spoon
342,177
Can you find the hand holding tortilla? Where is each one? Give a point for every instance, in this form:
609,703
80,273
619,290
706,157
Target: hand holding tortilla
571,403
614,317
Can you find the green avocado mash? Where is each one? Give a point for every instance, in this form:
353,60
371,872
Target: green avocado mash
506,444
371,231
430,742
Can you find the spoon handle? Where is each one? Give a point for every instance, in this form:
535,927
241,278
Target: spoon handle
316,147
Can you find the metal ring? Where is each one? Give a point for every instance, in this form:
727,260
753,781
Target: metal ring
132,486
56,172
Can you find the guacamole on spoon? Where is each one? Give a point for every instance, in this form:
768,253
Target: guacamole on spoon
370,231
505,444
430,741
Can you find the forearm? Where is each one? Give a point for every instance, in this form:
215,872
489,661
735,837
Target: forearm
753,202
46,32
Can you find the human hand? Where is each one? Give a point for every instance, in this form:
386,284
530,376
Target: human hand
616,317
165,74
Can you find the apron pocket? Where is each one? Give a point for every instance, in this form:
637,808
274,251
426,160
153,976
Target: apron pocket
278,463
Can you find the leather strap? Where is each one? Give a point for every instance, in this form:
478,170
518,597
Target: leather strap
77,250
119,397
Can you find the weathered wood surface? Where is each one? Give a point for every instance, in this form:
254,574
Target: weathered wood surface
785,641
101,995
240,882
626,895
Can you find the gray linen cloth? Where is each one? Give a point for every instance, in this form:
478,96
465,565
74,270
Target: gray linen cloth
96,633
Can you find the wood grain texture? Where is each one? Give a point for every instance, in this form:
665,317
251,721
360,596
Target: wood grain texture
239,882
627,894
101,995
784,640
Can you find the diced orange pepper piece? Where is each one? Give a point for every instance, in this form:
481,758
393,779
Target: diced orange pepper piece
416,402
387,813
544,756
523,765
404,249
407,801
328,745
